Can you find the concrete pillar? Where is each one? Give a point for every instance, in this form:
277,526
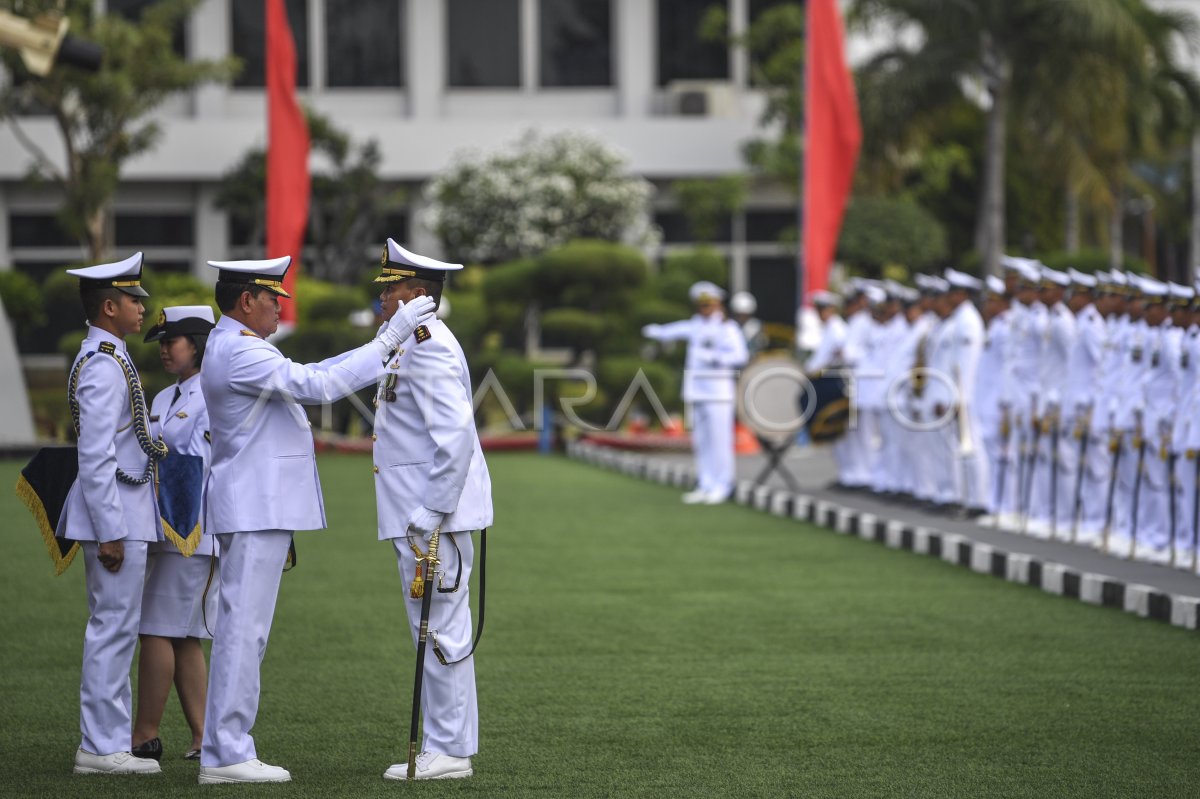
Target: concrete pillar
425,67
636,70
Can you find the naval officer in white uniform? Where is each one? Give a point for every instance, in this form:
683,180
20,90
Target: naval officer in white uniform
716,348
262,485
430,474
179,601
110,510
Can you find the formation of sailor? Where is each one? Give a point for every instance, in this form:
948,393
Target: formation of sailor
1054,404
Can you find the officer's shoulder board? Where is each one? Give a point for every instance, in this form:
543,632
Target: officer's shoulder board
250,333
422,333
108,348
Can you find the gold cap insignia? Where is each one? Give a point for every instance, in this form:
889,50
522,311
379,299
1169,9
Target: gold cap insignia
162,317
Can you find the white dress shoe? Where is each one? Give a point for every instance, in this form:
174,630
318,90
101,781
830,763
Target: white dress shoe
433,766
249,771
715,497
116,763
694,497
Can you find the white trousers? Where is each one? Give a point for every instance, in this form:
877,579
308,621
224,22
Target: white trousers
1093,490
1185,493
1154,503
712,441
449,707
114,613
250,566
1121,530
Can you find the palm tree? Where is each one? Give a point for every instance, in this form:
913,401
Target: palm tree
1022,57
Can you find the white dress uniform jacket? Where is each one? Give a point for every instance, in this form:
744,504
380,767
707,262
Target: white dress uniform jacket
263,473
715,348
427,450
99,507
829,351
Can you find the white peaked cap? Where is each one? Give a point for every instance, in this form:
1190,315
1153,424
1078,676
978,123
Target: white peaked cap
704,290
1055,277
123,275
268,273
961,280
397,254
995,285
743,302
823,297
1078,278
177,313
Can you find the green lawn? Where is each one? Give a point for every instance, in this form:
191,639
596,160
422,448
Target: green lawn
638,647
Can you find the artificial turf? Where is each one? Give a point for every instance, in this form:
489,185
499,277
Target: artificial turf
638,647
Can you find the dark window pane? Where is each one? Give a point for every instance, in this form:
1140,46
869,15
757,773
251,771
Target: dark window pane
576,42
681,53
676,229
250,40
38,230
364,42
484,44
757,7
773,284
770,226
132,11
393,225
154,230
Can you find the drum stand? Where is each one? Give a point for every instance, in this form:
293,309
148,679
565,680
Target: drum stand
775,453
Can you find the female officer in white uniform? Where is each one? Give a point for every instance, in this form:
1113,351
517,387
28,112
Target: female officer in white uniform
176,610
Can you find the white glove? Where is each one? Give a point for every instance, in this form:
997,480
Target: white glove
424,521
652,331
408,316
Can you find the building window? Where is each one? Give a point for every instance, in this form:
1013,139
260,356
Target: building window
484,43
771,226
677,230
576,42
364,43
249,40
154,230
38,230
682,55
773,284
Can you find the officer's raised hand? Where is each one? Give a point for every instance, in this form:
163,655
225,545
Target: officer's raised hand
415,312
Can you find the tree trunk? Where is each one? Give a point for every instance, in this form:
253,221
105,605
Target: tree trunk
1116,233
96,226
1071,233
1194,260
989,225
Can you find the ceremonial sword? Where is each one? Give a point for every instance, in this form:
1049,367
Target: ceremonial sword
1114,446
1140,441
1055,429
422,583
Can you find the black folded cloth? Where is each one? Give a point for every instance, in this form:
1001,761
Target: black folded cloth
151,749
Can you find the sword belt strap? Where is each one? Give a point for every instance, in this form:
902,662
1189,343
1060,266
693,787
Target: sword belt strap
437,650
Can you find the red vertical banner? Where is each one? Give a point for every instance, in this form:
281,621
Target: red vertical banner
287,152
832,138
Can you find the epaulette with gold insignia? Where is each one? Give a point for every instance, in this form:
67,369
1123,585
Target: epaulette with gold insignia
422,333
250,333
107,347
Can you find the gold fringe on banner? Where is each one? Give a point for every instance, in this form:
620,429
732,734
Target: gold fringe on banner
187,546
30,500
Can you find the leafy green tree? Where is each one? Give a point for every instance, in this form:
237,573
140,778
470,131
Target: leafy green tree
881,232
1004,48
346,208
103,117
706,201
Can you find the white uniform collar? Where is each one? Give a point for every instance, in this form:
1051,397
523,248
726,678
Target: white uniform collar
101,335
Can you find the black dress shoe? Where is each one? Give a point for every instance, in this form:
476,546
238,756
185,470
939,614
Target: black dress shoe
151,749
192,754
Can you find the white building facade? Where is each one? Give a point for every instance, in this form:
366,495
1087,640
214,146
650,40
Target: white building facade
427,79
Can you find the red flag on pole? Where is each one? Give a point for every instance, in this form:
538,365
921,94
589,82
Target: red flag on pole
832,139
287,152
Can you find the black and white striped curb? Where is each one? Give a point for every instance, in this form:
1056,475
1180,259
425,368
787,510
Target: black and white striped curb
1055,578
